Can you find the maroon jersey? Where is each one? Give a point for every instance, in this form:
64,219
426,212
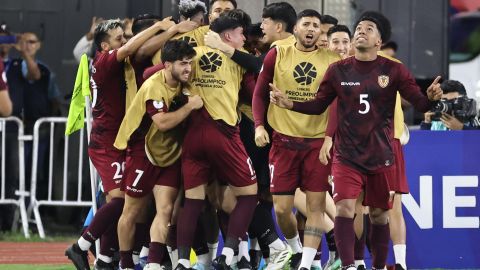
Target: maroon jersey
108,106
3,77
366,92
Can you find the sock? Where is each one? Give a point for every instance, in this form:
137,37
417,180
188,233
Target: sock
295,244
84,244
277,244
318,254
184,262
379,238
140,237
104,258
186,226
241,216
359,250
172,236
317,264
126,259
262,226
307,257
330,237
144,252
107,215
212,251
243,250
200,241
359,262
223,220
156,252
400,252
228,252
345,239
107,241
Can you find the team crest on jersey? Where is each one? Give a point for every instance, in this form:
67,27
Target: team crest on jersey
158,104
383,80
210,62
304,73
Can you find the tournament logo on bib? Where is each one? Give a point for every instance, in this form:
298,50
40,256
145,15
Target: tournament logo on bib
305,73
383,80
190,40
210,62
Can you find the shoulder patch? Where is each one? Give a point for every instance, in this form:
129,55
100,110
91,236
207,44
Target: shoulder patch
158,104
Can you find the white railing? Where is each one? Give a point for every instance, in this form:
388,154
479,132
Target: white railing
20,192
54,162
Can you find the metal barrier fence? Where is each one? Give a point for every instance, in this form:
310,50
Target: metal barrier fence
52,200
20,192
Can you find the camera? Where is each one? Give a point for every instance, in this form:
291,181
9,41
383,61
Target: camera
462,108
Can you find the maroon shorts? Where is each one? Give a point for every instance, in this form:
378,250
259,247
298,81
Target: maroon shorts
109,164
399,182
141,175
214,148
294,163
348,183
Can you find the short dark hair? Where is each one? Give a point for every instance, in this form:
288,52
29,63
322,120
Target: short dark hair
234,2
255,30
188,8
329,19
283,12
175,50
309,13
451,86
383,24
144,21
227,22
101,31
339,28
242,16
390,44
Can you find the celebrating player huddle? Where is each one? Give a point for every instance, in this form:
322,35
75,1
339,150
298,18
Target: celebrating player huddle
179,161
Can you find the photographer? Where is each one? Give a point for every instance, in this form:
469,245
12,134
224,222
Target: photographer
455,111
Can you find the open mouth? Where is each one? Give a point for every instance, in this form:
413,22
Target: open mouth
309,37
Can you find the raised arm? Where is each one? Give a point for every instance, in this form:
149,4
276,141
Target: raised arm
409,90
135,42
151,46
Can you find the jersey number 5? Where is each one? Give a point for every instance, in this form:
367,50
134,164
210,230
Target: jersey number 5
363,100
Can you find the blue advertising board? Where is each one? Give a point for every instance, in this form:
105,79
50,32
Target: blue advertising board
442,212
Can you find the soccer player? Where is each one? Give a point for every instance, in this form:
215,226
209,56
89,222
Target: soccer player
155,99
212,144
108,107
278,20
133,225
297,138
366,87
328,22
339,40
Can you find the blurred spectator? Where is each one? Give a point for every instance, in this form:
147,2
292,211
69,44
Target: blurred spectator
390,48
326,22
193,10
5,101
84,45
454,100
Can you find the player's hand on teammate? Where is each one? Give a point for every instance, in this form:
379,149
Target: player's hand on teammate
324,155
166,23
261,136
434,92
278,98
195,102
214,41
185,26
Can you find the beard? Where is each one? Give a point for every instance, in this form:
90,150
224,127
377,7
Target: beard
177,75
